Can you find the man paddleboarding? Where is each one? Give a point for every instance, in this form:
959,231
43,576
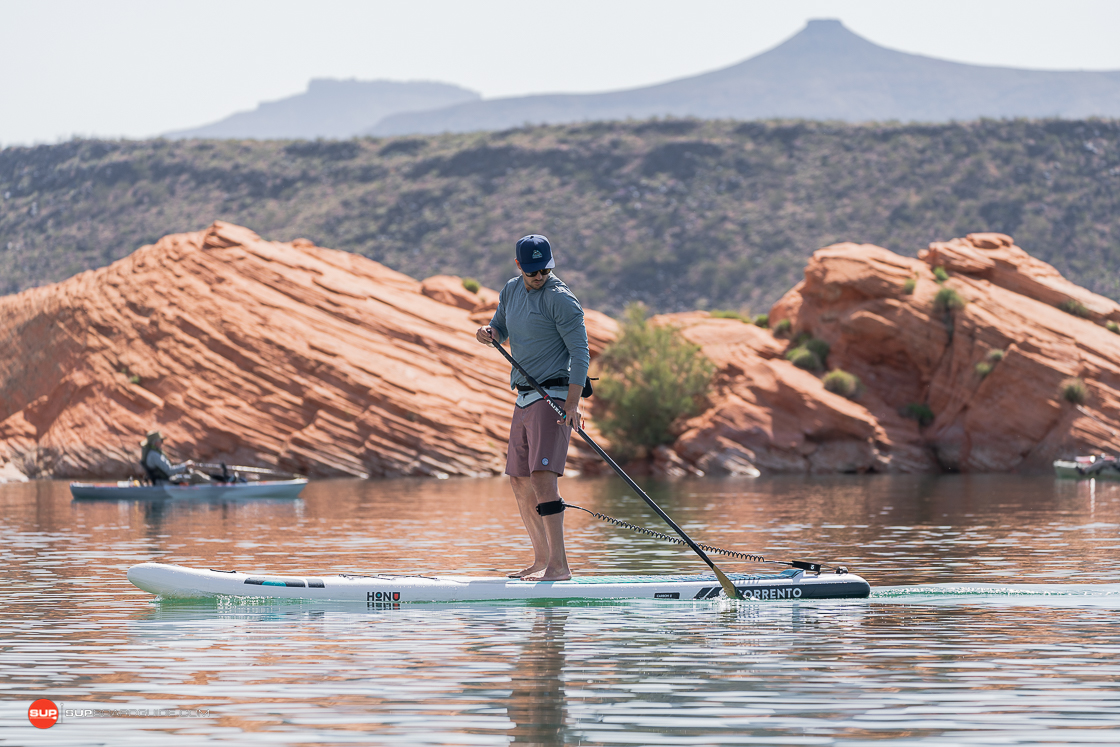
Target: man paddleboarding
543,321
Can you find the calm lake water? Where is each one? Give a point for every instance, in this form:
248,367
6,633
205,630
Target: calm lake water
994,619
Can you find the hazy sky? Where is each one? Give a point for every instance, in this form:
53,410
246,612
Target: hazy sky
136,68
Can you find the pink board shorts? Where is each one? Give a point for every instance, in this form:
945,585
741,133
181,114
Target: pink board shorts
536,441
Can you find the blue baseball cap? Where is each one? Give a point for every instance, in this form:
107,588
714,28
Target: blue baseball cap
534,253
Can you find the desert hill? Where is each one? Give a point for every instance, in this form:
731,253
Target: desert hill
331,109
825,72
680,214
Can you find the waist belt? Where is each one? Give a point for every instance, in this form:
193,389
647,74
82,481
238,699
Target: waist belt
558,383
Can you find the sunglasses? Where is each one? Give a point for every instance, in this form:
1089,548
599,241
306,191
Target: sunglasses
543,273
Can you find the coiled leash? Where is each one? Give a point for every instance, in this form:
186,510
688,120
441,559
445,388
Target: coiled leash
554,507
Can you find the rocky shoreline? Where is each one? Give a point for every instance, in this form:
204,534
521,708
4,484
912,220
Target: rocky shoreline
329,364
961,357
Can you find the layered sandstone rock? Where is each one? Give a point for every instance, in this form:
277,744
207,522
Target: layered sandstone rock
995,258
326,363
910,350
250,351
449,289
766,412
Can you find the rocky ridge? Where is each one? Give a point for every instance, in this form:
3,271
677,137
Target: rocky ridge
891,321
250,351
329,364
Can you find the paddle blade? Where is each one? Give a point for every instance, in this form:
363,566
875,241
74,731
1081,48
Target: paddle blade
728,587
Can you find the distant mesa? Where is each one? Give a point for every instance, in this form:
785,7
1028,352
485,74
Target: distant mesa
331,109
824,72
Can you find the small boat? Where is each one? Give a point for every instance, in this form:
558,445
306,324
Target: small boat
132,490
179,582
1089,468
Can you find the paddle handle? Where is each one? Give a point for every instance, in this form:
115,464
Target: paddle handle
725,582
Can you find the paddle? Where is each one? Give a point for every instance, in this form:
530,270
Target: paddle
724,581
239,468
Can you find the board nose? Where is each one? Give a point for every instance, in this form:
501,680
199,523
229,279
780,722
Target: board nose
144,576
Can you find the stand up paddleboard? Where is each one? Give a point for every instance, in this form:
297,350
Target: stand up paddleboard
178,582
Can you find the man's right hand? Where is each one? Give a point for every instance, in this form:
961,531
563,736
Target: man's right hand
485,335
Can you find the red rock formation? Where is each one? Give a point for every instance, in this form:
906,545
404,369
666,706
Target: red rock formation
909,349
330,364
449,289
994,257
767,412
253,351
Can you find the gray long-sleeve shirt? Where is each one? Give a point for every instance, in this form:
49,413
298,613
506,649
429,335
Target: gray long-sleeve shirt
159,463
546,334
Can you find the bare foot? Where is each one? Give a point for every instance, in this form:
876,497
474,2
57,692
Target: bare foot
560,574
534,568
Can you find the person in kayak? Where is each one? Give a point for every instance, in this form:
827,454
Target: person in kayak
543,321
160,470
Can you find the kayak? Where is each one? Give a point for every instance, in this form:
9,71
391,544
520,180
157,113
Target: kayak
1088,468
179,582
128,490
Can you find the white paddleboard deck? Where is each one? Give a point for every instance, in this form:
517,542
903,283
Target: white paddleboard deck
179,582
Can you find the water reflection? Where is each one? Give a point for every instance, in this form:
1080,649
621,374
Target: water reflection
537,697
936,656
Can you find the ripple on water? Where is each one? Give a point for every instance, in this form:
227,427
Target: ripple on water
940,660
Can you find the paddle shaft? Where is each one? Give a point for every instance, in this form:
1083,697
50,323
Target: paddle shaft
724,581
239,468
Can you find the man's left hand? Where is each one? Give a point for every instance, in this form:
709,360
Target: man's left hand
574,418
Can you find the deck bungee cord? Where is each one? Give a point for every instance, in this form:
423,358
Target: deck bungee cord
753,557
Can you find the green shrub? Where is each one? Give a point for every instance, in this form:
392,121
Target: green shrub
471,284
940,274
1075,307
948,300
762,320
984,367
651,376
1112,327
1073,390
843,383
803,357
808,352
819,347
729,314
909,286
918,411
782,328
